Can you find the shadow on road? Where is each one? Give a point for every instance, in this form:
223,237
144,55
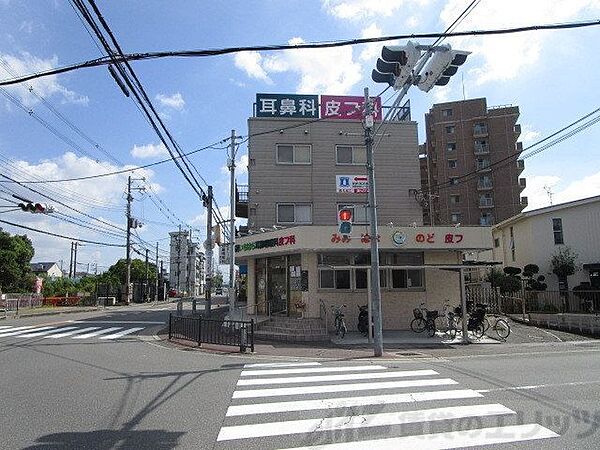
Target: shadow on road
109,439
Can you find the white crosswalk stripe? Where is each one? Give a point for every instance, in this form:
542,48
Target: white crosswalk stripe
326,413
75,330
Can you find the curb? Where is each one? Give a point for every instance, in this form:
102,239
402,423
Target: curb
50,313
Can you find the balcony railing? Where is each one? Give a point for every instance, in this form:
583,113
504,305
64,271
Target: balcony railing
485,202
484,185
482,149
523,182
479,130
483,165
519,146
524,201
520,165
486,221
517,128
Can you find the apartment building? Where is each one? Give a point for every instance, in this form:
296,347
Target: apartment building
302,170
186,274
470,163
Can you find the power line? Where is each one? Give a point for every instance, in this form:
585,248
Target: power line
61,236
327,44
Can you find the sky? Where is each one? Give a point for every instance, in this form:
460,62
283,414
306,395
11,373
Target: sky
550,75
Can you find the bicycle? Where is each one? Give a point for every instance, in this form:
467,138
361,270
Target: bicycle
420,323
500,326
339,321
450,318
475,321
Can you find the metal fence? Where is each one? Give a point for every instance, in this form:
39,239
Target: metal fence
198,329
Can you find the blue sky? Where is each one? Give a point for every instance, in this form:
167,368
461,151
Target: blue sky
551,76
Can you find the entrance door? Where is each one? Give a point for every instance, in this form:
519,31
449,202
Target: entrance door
277,281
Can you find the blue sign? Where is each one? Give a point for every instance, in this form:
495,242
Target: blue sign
287,105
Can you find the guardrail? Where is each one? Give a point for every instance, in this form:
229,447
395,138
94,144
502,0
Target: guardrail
237,333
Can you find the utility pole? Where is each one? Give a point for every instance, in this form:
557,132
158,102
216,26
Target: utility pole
147,273
75,261
156,282
178,258
128,243
232,227
375,282
71,262
208,247
162,280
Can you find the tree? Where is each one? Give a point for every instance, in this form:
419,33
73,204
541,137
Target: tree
501,279
118,271
15,258
533,283
217,280
512,271
563,265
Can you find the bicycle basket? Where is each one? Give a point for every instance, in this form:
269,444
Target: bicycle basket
432,314
418,313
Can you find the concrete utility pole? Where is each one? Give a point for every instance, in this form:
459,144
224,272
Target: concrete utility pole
156,282
128,244
208,247
162,283
232,226
375,282
178,259
75,261
71,262
147,273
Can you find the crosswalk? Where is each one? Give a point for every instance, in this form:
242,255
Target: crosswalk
309,405
78,331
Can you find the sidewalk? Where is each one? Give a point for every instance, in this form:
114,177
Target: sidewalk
409,338
48,311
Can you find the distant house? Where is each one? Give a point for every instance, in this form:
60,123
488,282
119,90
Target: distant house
532,237
48,269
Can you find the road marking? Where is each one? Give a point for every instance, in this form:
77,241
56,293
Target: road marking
122,333
252,393
16,328
332,403
538,386
343,377
23,331
96,333
448,440
149,322
5,326
247,373
250,366
70,333
359,421
43,333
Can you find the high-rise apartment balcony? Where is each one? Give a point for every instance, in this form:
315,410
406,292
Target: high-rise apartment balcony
480,130
522,183
486,220
486,202
241,200
517,129
483,165
485,185
524,201
520,165
519,146
481,149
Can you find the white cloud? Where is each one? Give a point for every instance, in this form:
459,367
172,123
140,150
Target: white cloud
528,134
507,56
148,151
372,50
241,167
174,101
361,9
251,63
537,195
45,86
320,70
412,22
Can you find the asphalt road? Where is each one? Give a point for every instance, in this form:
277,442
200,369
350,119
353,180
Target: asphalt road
132,391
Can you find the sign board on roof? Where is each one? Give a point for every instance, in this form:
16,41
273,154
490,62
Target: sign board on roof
347,107
287,105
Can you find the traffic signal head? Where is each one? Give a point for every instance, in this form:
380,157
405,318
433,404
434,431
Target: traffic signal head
443,64
36,208
345,221
396,64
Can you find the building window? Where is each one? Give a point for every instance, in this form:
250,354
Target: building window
455,217
450,129
294,213
558,231
453,180
350,155
451,146
446,113
293,154
512,244
360,278
406,279
452,163
360,213
454,199
334,279
496,242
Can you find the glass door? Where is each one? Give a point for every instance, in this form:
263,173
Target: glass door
277,285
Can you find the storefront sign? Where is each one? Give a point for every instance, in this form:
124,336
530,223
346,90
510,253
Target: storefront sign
398,238
430,238
365,238
287,105
347,107
352,184
267,243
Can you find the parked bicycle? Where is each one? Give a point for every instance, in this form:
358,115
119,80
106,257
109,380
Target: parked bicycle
447,322
475,320
339,321
500,326
423,322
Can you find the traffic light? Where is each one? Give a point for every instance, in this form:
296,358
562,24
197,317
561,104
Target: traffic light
345,221
396,64
36,208
443,64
